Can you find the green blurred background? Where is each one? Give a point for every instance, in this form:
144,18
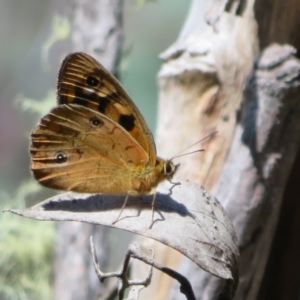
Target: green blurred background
26,28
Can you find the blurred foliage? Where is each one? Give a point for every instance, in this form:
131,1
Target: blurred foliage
140,3
26,263
40,107
60,30
26,249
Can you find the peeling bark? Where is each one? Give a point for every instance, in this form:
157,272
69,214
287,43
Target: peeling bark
214,79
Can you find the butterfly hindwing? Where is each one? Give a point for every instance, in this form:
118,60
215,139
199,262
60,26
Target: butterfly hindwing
77,148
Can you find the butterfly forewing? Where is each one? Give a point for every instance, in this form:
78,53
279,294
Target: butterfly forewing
76,148
84,81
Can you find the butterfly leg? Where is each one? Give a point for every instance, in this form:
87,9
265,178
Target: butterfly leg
124,205
174,184
153,207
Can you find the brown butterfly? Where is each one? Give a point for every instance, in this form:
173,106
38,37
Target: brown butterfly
95,140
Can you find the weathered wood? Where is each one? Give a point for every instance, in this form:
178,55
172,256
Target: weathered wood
202,89
201,86
282,276
278,22
97,29
260,160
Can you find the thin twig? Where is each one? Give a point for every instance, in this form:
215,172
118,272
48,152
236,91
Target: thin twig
123,283
185,287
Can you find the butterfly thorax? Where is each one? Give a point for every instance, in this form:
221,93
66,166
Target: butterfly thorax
148,179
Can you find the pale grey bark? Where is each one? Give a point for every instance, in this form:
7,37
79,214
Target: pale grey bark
204,84
254,176
96,28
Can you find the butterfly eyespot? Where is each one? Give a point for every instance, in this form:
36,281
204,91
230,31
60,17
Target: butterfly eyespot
60,157
96,122
92,81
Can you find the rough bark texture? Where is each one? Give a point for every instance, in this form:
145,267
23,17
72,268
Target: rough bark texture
204,86
282,275
279,22
96,30
209,82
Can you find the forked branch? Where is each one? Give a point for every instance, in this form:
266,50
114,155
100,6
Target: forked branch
124,282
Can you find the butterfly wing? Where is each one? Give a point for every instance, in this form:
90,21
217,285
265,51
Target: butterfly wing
84,81
76,148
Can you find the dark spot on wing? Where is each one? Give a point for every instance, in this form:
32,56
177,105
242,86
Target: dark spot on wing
114,97
61,99
92,81
127,122
84,98
103,103
80,101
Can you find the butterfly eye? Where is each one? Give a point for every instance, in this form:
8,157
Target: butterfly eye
96,122
92,81
60,157
169,168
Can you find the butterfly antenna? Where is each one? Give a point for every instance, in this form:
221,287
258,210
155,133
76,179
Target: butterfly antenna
188,153
199,150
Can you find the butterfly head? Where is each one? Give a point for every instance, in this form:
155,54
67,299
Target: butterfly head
169,169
